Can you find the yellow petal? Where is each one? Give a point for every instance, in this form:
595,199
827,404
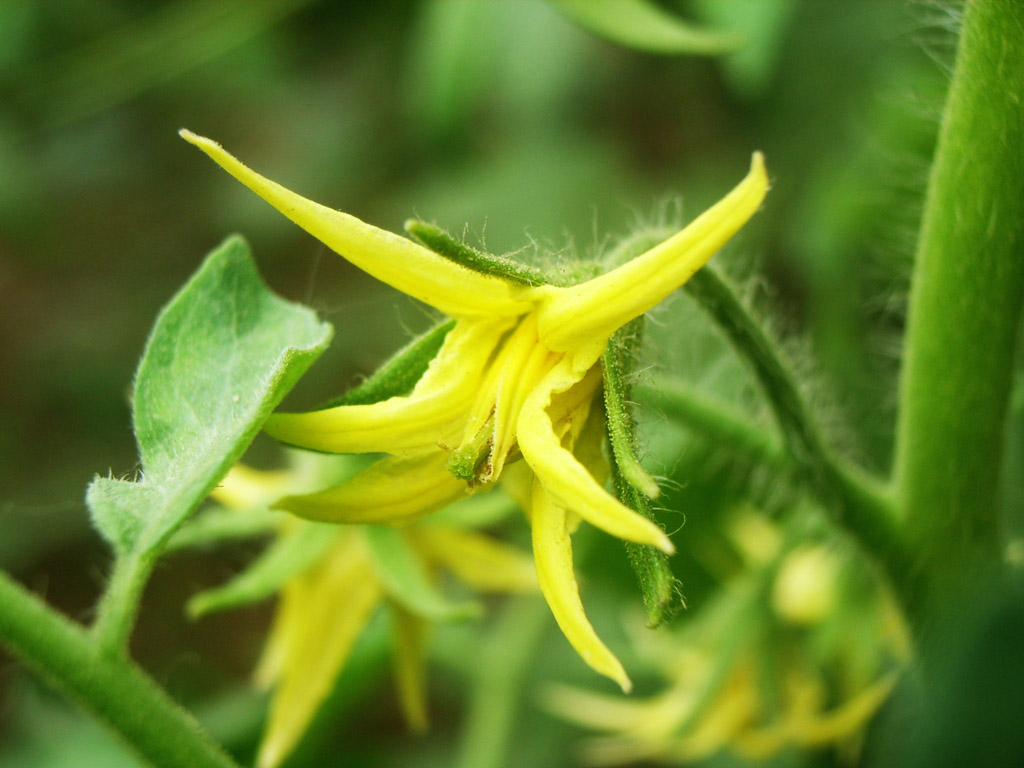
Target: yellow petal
847,719
655,717
410,633
734,707
477,560
394,490
564,478
597,308
327,610
552,552
434,410
401,263
246,488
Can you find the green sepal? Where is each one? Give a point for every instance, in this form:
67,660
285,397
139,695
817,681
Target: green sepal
443,244
643,25
219,525
400,373
661,590
616,363
222,355
406,581
288,556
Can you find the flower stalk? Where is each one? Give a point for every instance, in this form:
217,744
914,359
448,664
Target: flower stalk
861,502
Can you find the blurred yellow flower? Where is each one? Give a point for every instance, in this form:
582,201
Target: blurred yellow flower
798,650
517,375
325,607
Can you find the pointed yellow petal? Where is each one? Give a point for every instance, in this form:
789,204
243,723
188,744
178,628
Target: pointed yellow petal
394,490
401,263
433,411
477,560
552,552
565,479
595,309
410,634
331,608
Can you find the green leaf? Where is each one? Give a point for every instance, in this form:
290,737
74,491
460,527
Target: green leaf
762,24
222,355
643,25
287,557
405,580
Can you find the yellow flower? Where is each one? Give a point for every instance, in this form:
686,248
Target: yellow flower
769,663
326,606
517,375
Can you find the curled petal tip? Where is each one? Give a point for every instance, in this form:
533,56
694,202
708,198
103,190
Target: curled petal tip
199,141
665,545
625,683
758,169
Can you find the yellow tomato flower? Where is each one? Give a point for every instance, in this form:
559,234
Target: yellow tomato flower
516,376
746,677
325,607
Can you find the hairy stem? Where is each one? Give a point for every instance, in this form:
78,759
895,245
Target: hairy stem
119,605
717,421
108,686
965,304
861,502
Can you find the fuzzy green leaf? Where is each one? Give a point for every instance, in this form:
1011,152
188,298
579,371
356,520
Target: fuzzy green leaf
222,355
642,24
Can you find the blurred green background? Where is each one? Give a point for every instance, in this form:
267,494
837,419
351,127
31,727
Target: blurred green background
497,118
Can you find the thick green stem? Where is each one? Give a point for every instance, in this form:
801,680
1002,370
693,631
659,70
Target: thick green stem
965,305
108,686
862,503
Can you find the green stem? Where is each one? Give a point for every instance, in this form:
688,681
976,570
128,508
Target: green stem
109,687
499,683
119,605
719,422
965,304
863,504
